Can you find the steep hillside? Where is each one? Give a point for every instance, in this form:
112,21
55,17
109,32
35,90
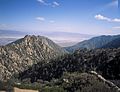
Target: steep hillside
19,55
93,43
113,44
104,61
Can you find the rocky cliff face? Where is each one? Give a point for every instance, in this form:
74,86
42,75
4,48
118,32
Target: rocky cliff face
19,55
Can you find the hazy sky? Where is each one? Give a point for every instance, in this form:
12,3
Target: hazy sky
77,16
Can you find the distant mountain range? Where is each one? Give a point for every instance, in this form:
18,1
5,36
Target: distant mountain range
4,41
62,38
8,36
65,39
113,44
11,33
97,42
19,55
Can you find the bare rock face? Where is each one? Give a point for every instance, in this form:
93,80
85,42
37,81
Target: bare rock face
19,55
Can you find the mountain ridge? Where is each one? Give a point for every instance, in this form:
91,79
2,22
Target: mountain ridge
93,43
19,55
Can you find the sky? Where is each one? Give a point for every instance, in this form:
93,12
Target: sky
91,17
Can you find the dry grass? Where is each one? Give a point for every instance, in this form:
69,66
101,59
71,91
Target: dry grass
24,90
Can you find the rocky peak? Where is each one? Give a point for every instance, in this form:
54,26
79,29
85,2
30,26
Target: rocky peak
19,55
31,37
